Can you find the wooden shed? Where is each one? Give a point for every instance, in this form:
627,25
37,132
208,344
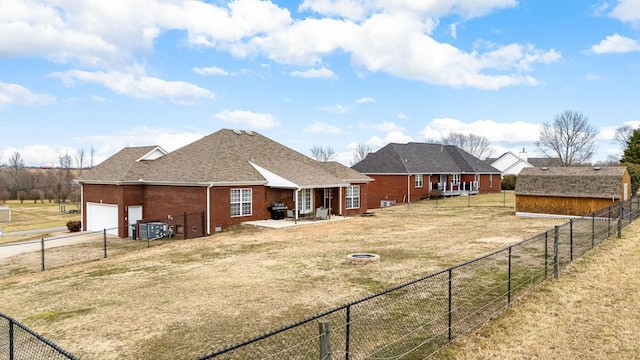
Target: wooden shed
5,214
570,191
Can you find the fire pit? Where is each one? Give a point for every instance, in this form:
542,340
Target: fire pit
363,258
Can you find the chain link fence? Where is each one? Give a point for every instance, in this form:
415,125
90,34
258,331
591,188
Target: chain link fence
17,342
417,319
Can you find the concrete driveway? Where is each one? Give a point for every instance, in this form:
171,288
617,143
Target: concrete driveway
13,249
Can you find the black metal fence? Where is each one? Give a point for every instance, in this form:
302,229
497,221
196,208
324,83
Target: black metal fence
417,319
17,342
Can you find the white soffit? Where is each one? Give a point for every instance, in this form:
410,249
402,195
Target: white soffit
274,180
157,152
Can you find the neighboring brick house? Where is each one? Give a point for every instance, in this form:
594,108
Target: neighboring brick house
408,172
230,176
570,191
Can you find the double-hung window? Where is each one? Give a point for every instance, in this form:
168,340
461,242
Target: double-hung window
240,202
418,180
353,196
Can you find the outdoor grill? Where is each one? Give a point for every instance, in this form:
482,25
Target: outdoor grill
277,210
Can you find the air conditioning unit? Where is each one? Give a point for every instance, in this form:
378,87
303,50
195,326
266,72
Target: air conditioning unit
385,203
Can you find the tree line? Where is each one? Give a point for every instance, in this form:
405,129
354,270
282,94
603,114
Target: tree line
53,184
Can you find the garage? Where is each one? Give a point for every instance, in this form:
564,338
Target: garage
102,216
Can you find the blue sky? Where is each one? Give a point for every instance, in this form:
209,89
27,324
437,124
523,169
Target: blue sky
109,74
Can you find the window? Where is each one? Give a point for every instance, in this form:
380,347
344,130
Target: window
455,178
353,197
240,202
418,180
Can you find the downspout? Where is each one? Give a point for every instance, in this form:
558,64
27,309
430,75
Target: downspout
209,208
409,191
295,201
84,213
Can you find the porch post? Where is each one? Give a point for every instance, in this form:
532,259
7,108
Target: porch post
295,201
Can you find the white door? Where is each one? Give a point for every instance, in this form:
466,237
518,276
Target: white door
134,214
102,216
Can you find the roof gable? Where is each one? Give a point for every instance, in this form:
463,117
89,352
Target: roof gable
599,182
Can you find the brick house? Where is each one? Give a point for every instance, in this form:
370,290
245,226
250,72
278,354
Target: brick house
230,176
570,191
408,172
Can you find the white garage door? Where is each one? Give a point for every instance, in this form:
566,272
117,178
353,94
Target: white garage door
102,216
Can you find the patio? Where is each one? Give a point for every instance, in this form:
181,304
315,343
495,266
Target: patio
288,222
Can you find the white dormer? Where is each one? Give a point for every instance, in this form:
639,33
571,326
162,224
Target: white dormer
156,153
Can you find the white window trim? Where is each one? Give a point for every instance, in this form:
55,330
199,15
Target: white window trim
242,201
350,196
419,181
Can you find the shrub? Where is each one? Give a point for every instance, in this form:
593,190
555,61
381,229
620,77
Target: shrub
435,193
509,182
74,226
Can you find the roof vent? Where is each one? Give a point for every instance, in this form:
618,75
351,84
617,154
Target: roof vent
238,132
545,168
249,132
596,168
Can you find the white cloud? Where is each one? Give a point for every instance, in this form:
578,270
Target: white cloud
336,109
592,77
212,71
320,127
391,37
391,137
365,100
627,11
143,87
14,94
517,131
313,73
248,119
616,44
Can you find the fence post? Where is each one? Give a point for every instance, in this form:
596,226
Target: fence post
609,223
556,257
546,252
42,251
571,240
450,303
509,279
619,226
593,230
325,340
104,237
11,344
347,337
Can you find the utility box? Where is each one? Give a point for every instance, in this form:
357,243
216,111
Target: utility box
5,214
153,230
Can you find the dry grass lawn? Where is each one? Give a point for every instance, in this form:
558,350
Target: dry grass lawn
591,312
30,215
183,299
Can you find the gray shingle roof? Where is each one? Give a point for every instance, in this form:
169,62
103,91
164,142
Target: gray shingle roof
223,157
605,183
422,158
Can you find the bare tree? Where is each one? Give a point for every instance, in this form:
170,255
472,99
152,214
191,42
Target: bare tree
476,145
622,136
93,151
570,137
16,162
360,152
321,154
80,158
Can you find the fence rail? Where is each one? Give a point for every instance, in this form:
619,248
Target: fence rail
17,342
418,318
